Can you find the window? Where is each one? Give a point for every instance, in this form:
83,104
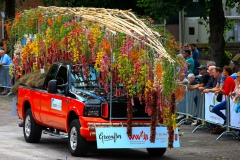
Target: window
62,73
51,75
191,31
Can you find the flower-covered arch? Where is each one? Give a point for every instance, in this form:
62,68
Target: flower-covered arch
119,44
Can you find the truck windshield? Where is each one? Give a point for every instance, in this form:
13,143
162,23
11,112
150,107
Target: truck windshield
80,80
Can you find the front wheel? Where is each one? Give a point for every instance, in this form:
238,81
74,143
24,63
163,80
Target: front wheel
156,152
31,130
78,146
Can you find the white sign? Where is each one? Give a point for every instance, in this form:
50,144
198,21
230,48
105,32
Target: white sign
116,137
210,102
56,104
234,117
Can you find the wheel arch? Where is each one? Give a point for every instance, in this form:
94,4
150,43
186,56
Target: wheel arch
72,115
26,106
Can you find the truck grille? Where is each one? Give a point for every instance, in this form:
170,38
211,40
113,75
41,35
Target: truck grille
119,109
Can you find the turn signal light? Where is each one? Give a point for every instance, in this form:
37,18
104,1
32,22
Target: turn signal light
104,110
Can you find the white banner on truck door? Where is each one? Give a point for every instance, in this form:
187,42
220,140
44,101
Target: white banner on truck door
234,117
210,102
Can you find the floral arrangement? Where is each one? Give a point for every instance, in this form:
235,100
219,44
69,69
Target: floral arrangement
124,49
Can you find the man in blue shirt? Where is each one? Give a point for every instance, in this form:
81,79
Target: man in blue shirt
195,56
4,60
195,52
189,61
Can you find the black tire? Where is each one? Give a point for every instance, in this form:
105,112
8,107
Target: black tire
31,130
78,146
156,152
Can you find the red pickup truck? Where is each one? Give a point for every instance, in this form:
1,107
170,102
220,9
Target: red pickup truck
68,102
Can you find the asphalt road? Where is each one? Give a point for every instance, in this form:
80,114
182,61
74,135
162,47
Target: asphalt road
195,146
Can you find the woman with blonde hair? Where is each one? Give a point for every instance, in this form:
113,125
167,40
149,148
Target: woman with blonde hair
187,47
236,92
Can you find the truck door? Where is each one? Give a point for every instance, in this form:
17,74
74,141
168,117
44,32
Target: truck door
59,102
59,110
46,97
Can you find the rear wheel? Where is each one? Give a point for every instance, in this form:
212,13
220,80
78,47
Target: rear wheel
78,146
31,130
156,152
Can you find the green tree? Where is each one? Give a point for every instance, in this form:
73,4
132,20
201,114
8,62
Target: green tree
214,10
9,7
114,4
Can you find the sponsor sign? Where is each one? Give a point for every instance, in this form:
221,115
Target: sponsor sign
116,137
210,102
56,104
234,117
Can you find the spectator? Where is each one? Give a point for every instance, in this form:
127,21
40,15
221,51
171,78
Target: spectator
195,52
210,63
236,92
4,60
204,79
182,80
191,79
217,73
195,56
228,87
212,82
189,61
187,47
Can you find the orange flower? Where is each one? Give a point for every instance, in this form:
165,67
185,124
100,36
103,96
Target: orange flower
134,55
59,19
159,70
7,26
106,46
31,22
5,46
50,22
180,92
55,45
17,16
40,18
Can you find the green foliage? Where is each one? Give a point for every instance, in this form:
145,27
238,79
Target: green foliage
226,58
228,54
229,24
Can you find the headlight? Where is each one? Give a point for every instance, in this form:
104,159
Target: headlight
92,110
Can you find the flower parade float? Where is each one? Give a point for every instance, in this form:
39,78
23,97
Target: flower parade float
127,58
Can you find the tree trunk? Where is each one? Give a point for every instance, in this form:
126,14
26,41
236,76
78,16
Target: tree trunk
10,8
216,39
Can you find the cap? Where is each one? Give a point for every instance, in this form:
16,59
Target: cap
202,67
1,48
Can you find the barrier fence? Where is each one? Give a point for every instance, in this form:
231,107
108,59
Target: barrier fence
5,78
199,105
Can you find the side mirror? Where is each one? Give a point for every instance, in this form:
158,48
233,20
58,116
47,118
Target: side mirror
52,86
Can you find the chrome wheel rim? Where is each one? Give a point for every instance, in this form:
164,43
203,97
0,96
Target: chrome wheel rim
73,138
27,125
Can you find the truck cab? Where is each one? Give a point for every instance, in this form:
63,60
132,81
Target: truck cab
74,103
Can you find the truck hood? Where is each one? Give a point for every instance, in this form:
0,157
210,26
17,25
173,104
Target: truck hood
94,94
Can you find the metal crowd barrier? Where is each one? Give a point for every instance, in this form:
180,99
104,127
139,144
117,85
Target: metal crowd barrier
5,78
191,106
228,122
202,111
